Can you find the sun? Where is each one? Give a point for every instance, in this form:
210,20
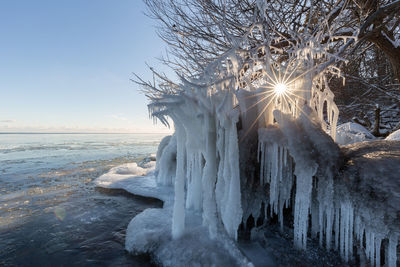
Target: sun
280,88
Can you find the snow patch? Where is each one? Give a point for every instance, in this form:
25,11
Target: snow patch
350,132
395,136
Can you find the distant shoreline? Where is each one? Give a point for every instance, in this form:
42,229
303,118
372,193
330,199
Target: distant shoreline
71,133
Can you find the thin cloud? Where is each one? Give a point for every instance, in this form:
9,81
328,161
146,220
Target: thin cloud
7,121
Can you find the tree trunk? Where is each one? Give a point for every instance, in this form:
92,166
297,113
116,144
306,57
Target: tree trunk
391,52
377,121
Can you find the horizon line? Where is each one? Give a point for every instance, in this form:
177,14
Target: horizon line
80,133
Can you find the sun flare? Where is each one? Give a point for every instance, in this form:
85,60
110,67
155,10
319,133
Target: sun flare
280,88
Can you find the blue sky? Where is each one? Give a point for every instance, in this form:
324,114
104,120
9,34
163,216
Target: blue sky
65,65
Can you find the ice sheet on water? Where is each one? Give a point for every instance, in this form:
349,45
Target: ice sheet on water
135,180
129,168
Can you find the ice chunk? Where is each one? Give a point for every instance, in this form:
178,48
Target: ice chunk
350,132
130,168
166,165
164,143
148,230
122,172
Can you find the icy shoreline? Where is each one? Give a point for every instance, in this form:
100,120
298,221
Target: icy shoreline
150,231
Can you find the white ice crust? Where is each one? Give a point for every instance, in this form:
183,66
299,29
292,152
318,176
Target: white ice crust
395,136
134,179
350,133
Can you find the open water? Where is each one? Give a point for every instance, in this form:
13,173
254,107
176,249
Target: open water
51,214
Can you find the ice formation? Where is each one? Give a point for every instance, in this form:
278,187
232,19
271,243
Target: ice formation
350,132
395,136
234,102
151,230
120,172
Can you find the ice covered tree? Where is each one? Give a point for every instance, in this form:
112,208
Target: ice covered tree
193,30
193,27
255,119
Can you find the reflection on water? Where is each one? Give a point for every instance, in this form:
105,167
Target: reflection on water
85,231
54,216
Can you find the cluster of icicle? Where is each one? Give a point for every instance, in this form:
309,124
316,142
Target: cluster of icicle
205,147
284,154
276,169
285,163
350,225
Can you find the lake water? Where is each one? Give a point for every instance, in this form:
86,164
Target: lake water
50,212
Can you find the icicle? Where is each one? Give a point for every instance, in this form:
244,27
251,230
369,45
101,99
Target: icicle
209,178
194,174
357,227
337,232
392,251
219,187
273,187
285,157
346,230
228,192
315,219
302,204
342,229
370,246
378,242
351,229
328,231
320,223
262,164
280,215
280,161
178,215
234,210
